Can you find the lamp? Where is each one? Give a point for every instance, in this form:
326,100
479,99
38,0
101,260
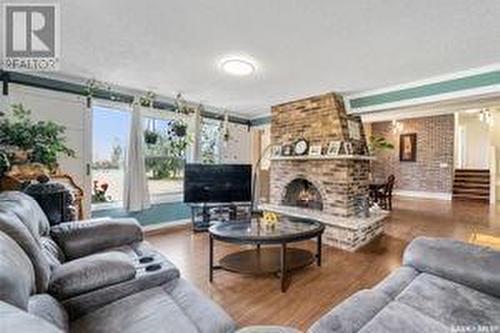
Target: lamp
256,176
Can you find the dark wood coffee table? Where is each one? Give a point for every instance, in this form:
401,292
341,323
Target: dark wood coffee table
266,260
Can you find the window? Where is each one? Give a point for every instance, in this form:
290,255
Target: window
210,141
165,157
109,141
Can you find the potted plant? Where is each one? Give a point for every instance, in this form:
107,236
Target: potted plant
179,128
379,143
150,137
32,141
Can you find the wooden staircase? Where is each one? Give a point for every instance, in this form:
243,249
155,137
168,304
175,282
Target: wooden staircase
471,184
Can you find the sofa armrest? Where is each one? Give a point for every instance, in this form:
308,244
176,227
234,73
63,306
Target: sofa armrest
475,266
89,273
81,238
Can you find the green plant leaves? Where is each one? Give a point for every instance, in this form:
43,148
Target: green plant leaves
43,140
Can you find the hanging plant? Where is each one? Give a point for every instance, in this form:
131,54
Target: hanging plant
179,127
225,127
150,137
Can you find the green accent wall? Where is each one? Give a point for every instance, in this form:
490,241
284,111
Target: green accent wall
260,121
465,83
158,213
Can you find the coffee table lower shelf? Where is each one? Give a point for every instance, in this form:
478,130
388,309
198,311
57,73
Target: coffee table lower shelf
265,260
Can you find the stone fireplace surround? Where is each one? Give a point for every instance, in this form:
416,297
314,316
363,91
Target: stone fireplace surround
341,181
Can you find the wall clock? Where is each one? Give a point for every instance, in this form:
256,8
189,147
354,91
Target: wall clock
300,147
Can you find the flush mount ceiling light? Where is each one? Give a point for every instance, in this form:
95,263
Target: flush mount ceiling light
237,66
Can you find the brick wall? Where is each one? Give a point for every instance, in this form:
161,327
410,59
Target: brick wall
435,142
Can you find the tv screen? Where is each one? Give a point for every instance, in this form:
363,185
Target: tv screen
217,183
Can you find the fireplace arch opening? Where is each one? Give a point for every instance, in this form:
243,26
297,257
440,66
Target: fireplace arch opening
302,193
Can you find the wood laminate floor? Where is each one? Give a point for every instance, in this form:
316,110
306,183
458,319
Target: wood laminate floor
315,290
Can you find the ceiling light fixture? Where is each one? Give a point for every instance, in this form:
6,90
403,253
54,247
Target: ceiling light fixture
237,66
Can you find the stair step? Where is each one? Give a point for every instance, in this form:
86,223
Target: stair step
471,191
484,180
471,185
476,175
473,170
471,196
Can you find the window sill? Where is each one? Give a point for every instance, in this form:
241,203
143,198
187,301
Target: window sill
155,199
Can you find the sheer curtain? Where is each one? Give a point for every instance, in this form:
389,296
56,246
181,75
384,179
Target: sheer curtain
136,193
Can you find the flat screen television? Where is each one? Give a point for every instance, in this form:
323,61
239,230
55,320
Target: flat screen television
219,183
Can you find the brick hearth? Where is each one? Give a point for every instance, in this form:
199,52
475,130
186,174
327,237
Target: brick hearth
341,182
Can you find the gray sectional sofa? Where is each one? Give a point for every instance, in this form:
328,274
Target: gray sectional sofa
101,276
91,276
443,286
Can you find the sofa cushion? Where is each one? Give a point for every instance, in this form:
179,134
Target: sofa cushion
49,309
19,232
15,320
475,266
352,314
17,278
451,303
397,281
175,307
27,210
89,273
397,317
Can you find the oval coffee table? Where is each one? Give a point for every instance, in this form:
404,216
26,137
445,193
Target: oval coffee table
266,260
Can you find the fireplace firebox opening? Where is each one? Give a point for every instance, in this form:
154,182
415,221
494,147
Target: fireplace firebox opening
302,193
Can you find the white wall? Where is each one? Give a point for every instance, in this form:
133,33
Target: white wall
65,109
476,141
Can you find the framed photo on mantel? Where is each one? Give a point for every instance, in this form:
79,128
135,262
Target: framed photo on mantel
408,147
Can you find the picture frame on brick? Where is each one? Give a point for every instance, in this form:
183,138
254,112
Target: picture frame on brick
408,147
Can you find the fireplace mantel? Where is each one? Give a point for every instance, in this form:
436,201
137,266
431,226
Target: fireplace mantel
323,157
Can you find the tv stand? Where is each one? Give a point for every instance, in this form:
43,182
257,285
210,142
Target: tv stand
202,214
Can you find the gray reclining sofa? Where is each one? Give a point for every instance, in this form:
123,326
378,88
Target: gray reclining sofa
91,276
443,286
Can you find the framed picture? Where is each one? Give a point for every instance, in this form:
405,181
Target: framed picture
287,150
315,150
347,148
408,147
354,130
333,148
276,151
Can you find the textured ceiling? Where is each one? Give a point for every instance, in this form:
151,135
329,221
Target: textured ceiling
302,47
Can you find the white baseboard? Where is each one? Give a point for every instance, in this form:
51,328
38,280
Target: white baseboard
166,225
423,194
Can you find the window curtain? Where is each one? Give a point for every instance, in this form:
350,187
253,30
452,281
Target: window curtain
136,193
194,150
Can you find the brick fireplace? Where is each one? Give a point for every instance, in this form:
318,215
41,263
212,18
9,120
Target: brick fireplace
324,188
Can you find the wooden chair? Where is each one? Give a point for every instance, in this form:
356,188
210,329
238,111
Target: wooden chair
383,196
